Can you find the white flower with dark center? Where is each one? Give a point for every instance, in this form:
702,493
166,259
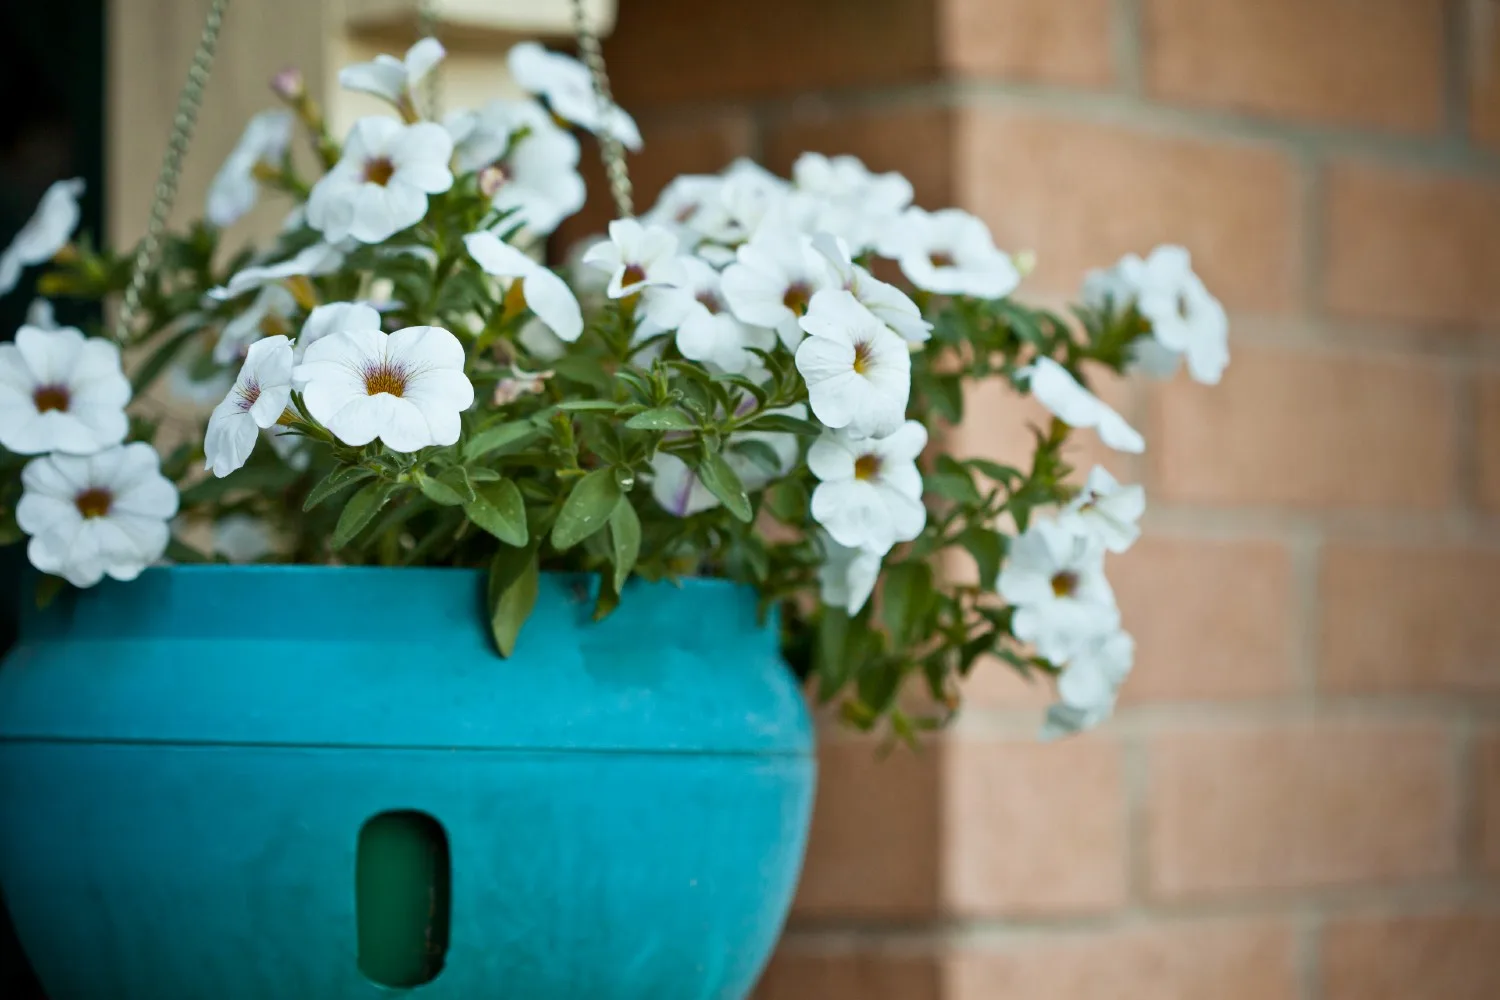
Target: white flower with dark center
1054,576
406,388
236,186
706,330
848,576
61,391
636,256
530,166
381,183
856,205
1185,318
544,293
331,318
268,315
568,88
774,278
754,197
869,494
951,253
1057,390
103,514
679,491
886,302
47,231
858,372
1107,512
692,206
257,400
1089,686
320,258
242,539
394,79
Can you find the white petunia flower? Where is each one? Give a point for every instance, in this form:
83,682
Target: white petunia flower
530,165
406,388
950,252
754,197
257,399
774,279
546,295
679,491
381,183
41,315
395,79
1107,512
636,256
320,258
568,88
706,330
331,318
242,539
268,315
854,204
870,493
104,514
1185,318
61,391
1054,576
858,372
848,576
886,302
1090,684
1057,390
692,206
235,188
1113,287
47,231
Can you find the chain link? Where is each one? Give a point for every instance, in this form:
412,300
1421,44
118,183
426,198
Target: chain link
611,151
183,123
427,27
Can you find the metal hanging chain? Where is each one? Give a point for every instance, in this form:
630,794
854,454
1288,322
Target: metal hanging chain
427,27
183,123
611,151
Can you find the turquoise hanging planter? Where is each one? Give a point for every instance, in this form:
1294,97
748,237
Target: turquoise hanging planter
320,783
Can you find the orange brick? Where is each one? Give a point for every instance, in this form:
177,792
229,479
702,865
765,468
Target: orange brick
1377,63
1487,440
1221,960
1033,828
1452,956
672,147
1306,430
686,50
1082,193
1488,775
802,971
874,845
1211,619
916,141
1411,246
1029,39
1407,619
1484,77
1293,806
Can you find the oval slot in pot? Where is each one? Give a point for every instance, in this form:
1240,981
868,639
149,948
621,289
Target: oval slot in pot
403,894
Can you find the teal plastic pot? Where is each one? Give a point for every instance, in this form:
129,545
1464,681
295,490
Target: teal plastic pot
311,783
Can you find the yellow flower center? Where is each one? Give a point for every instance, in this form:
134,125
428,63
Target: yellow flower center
385,377
379,170
867,467
864,354
1065,584
51,397
94,502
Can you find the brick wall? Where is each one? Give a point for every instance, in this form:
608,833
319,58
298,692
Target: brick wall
1301,797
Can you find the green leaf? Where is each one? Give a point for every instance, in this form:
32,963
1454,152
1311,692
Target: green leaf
947,395
781,423
665,418
761,454
608,600
515,579
498,509
47,589
625,538
994,470
830,663
479,474
359,511
587,405
507,436
988,549
438,491
905,599
787,501
722,482
959,489
587,508
456,477
336,481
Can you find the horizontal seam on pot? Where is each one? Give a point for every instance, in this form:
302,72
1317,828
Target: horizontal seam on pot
435,748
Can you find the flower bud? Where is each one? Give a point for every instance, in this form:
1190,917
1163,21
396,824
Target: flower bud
491,179
1025,262
289,85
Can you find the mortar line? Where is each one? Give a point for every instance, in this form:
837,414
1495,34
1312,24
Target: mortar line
1457,67
1128,46
1307,956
